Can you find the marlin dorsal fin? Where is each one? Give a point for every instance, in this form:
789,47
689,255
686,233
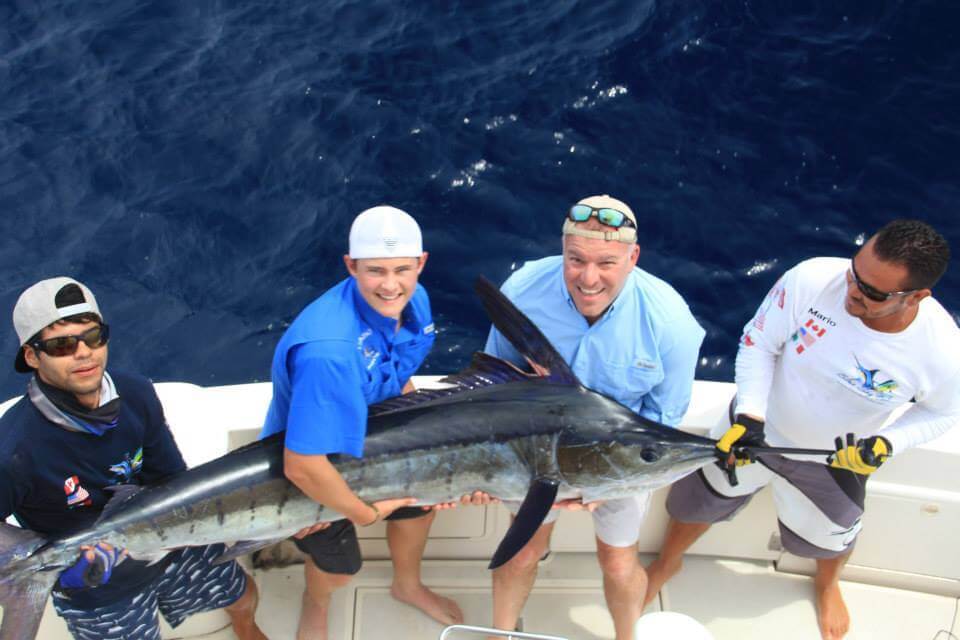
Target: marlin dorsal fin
523,334
484,371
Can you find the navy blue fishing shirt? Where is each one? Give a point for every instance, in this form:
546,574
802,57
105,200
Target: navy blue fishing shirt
54,481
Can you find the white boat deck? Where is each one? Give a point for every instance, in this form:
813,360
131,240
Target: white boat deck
734,599
903,581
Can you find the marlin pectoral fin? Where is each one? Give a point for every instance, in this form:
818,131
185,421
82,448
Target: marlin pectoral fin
243,547
536,505
120,493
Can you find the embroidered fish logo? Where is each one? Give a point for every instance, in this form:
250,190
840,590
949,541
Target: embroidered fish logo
128,468
870,379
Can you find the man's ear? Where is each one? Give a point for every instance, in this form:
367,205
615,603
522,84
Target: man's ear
914,298
423,262
635,254
350,264
31,358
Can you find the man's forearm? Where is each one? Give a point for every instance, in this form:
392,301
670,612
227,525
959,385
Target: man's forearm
320,480
754,376
916,426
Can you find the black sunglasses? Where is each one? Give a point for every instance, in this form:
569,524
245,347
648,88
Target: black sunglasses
872,292
94,338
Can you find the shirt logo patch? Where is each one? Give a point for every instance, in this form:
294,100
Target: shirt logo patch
870,382
427,330
805,336
127,468
369,355
76,495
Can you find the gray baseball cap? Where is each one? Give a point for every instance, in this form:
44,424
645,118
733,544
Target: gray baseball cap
43,304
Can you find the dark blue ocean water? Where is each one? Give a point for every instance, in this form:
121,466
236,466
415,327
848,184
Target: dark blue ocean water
197,163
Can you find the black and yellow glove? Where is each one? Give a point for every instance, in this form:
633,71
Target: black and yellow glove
863,457
745,431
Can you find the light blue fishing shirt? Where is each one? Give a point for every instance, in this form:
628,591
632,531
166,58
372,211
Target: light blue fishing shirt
338,356
642,351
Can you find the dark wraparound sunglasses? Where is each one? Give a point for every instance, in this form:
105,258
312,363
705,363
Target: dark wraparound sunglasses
872,292
61,346
606,215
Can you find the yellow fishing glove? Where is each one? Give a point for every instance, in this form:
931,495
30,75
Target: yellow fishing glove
863,457
745,431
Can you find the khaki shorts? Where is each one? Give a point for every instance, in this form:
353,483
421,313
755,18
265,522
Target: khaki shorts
616,522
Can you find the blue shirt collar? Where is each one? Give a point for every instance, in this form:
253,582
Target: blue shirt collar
383,324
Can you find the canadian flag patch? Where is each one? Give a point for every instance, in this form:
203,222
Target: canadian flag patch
806,335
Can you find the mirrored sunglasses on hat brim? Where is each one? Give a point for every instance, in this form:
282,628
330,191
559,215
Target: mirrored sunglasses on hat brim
610,217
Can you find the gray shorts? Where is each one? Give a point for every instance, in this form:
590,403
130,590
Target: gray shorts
190,584
818,507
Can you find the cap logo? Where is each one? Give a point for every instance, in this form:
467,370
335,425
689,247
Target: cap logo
384,231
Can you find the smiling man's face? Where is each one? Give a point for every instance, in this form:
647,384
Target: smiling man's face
595,271
387,284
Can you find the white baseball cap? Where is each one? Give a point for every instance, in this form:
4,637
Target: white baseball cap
43,304
385,232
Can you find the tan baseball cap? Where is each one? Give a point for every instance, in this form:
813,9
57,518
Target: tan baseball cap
624,233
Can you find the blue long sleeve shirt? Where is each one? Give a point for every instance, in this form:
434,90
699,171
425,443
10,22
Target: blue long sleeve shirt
642,351
336,358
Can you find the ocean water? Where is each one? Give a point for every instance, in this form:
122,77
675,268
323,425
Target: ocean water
198,163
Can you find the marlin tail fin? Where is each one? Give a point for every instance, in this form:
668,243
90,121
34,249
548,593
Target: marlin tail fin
23,594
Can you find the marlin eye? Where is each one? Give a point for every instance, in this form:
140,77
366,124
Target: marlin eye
649,454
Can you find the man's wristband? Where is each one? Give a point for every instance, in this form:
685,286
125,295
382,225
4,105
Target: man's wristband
376,515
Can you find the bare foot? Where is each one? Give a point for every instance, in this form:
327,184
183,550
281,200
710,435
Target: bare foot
832,614
443,610
658,573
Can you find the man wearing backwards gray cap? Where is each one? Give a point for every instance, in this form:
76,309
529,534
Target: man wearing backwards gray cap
625,333
356,345
78,432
